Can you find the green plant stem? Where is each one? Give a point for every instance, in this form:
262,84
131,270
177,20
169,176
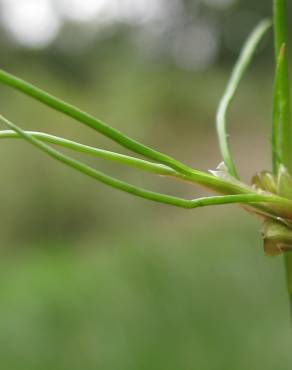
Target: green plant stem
277,109
240,68
140,192
199,177
123,159
90,121
141,164
282,127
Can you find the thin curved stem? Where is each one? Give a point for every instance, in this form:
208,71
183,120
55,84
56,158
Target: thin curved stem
57,104
141,164
137,191
155,168
87,119
116,157
240,68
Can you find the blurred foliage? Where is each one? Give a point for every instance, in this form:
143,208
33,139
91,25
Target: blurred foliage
141,302
149,98
229,25
95,279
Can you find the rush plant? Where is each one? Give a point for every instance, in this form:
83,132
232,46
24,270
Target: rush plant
269,196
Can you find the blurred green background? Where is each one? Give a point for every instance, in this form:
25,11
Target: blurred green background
95,279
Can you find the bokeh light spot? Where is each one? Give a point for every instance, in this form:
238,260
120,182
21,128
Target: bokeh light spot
32,23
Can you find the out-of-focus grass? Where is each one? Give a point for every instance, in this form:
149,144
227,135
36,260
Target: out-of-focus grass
100,280
209,300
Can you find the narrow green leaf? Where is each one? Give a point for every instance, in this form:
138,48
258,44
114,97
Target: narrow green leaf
210,182
240,68
251,198
59,105
105,154
93,122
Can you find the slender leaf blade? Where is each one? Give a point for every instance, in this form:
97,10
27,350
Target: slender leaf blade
240,68
251,198
97,152
70,110
90,121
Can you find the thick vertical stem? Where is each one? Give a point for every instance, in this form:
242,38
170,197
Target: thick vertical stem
284,128
284,131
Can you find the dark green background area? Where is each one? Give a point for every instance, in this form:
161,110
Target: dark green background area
91,278
208,300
